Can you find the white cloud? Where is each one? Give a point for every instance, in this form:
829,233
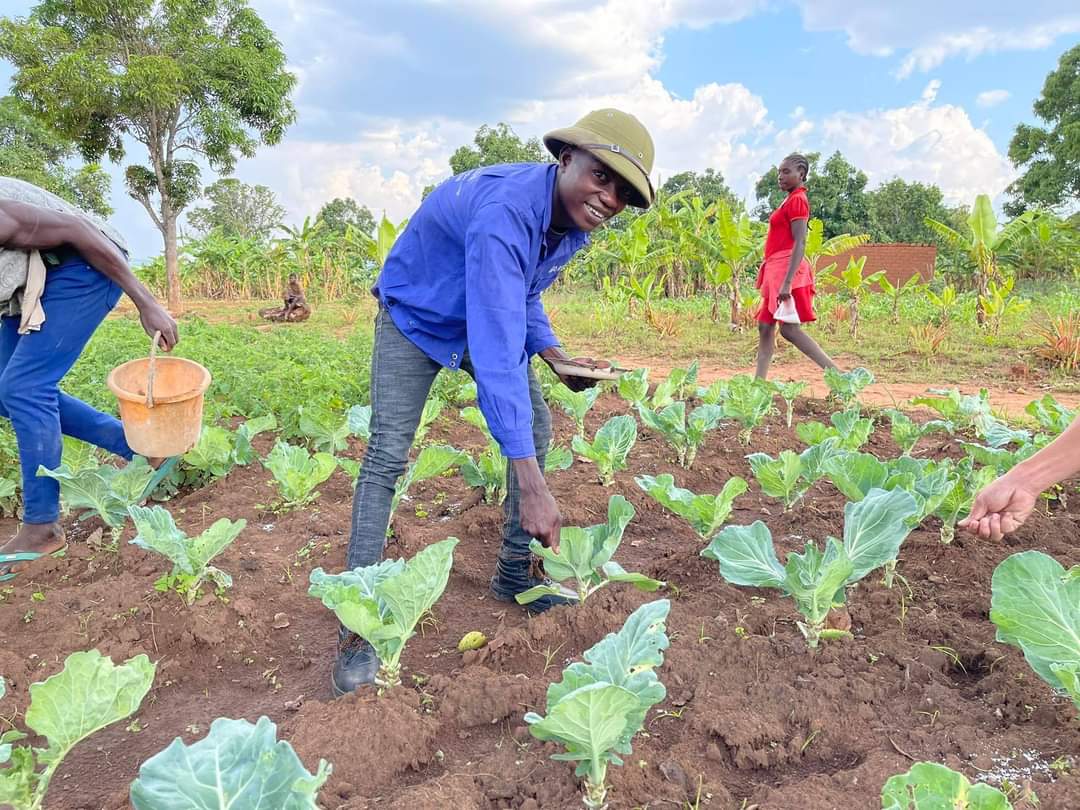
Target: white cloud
931,32
991,98
932,144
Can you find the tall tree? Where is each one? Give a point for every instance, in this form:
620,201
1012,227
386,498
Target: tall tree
898,211
31,152
186,79
237,210
837,193
709,185
341,212
497,144
1050,156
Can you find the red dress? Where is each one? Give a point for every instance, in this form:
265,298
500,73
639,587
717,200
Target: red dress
778,246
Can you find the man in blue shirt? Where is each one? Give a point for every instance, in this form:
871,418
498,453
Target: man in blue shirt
461,290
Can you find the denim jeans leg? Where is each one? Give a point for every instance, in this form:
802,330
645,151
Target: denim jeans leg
513,562
401,378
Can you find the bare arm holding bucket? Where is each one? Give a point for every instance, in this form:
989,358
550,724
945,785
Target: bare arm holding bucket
31,227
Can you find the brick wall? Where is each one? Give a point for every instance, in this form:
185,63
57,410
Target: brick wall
899,261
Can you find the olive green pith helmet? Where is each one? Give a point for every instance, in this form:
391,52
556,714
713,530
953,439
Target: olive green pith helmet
619,141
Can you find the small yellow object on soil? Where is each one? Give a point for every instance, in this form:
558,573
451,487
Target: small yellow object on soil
472,641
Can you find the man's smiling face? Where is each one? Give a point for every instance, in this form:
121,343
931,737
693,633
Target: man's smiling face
587,192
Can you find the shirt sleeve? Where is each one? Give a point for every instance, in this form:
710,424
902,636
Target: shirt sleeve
496,313
538,332
798,207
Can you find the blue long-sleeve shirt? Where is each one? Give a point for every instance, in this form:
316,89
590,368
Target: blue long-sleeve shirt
468,271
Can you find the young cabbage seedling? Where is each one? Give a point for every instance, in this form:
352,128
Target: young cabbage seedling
634,386
190,556
906,432
789,392
558,459
431,461
1052,416
846,386
1035,604
242,761
382,603
956,504
874,528
748,402
705,513
851,429
930,785
489,469
972,410
680,383
219,450
327,432
585,558
684,434
601,703
89,693
432,408
358,421
297,473
610,446
575,403
791,474
105,491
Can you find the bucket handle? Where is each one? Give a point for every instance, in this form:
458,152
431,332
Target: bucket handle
152,370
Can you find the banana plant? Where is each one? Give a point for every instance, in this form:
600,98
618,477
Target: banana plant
946,303
1000,302
983,243
728,248
386,234
899,291
818,247
853,286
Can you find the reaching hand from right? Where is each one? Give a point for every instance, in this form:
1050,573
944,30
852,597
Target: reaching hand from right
1000,508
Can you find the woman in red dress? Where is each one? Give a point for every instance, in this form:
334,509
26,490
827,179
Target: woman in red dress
785,273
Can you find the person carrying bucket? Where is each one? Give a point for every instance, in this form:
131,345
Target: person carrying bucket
461,290
61,271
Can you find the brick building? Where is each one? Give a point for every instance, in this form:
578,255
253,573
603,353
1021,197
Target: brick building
899,260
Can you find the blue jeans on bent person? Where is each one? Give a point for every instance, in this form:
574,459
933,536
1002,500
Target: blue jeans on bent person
401,378
76,300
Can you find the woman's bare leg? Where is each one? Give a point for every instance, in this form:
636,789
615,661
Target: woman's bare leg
766,346
793,334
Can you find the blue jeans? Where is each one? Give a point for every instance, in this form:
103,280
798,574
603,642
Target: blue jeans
401,378
76,300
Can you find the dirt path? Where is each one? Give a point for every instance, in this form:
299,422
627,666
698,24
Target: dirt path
1010,399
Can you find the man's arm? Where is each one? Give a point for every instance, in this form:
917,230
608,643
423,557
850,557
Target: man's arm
496,314
1003,505
32,227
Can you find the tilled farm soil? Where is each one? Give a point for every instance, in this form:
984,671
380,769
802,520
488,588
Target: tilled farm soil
752,717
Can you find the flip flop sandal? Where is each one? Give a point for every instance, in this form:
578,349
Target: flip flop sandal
160,474
22,556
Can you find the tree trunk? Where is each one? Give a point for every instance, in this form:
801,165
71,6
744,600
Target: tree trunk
735,300
982,290
172,269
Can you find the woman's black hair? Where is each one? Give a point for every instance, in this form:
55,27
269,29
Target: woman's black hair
800,162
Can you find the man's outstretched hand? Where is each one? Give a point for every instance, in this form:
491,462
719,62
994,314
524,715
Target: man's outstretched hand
1000,508
539,514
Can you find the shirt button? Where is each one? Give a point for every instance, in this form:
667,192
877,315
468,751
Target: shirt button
452,364
453,356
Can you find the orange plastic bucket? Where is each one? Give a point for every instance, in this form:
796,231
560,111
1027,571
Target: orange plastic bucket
161,402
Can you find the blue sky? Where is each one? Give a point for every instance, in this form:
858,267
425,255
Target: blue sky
388,89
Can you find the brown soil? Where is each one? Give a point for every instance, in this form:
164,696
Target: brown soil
752,718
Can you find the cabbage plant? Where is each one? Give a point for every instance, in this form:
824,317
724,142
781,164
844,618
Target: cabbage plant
705,513
325,431
906,432
104,491
382,603
238,765
970,410
748,402
929,786
1052,416
874,528
849,427
219,450
679,384
297,472
358,421
955,505
845,386
633,386
585,558
684,433
488,470
601,703
1035,604
433,406
789,392
190,556
610,446
430,462
89,693
557,459
575,403
791,474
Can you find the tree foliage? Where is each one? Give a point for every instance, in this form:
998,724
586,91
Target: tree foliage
1050,156
341,212
31,152
238,210
497,144
709,185
898,211
187,79
836,190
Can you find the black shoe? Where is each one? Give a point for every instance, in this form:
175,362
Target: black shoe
356,664
504,590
